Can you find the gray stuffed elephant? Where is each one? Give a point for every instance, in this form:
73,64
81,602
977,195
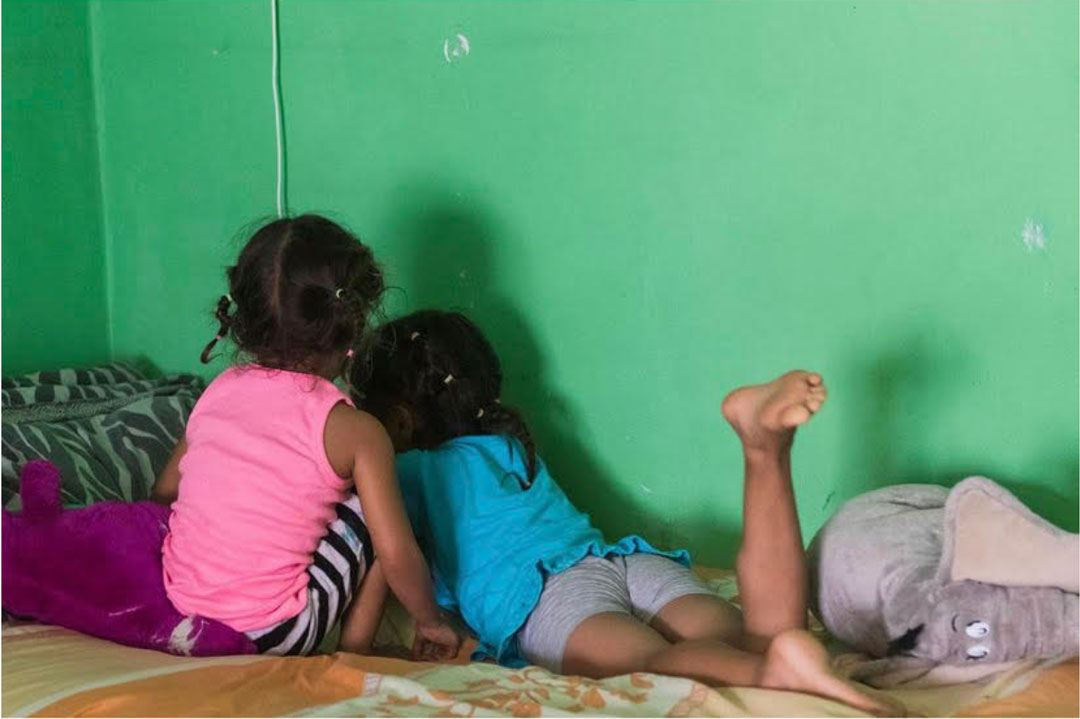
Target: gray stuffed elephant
920,572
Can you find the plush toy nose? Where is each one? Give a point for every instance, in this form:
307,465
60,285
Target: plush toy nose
1040,623
39,488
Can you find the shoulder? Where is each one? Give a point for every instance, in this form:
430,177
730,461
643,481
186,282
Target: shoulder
220,393
435,459
236,374
501,453
355,421
351,434
222,382
454,460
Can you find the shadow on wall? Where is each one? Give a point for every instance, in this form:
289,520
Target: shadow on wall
895,395
451,261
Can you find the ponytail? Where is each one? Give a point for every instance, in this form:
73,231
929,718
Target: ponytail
497,418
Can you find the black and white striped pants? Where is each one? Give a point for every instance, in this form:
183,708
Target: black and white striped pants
341,560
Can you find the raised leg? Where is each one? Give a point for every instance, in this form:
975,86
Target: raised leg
771,565
703,638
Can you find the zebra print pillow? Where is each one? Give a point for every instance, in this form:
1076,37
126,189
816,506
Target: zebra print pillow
109,429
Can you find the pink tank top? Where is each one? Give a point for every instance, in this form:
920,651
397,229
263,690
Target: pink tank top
256,495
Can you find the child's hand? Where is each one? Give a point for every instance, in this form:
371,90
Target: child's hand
436,641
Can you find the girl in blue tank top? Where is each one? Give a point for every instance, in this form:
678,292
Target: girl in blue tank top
537,582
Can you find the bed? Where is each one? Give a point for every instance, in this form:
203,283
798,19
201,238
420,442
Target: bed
49,671
76,419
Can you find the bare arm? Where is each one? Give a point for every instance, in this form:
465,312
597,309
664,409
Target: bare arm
357,445
362,618
167,486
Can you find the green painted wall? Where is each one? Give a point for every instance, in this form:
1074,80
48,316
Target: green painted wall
644,204
53,285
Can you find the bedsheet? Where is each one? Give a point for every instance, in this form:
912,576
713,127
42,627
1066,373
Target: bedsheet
49,671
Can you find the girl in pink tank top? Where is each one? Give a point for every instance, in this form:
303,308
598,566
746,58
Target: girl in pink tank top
286,510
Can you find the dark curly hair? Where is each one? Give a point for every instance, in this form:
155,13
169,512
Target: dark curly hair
440,365
301,291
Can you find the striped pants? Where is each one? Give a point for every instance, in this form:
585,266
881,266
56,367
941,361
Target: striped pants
341,560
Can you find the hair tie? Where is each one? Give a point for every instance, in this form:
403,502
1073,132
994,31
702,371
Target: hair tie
228,296
413,336
498,400
339,293
349,354
480,413
448,379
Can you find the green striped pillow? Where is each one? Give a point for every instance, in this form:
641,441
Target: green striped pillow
110,429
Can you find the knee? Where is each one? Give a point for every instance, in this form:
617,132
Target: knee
656,661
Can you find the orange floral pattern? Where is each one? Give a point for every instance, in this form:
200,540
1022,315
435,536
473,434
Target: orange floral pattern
487,690
476,690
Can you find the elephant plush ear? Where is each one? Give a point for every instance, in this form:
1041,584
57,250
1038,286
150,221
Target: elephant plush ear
991,537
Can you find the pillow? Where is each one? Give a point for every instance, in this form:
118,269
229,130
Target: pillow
109,381
108,429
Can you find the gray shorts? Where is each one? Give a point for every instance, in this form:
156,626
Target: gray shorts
638,584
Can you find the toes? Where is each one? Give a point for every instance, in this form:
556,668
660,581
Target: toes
813,379
815,397
795,415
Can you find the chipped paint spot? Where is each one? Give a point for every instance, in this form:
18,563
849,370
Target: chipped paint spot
1033,236
456,48
645,489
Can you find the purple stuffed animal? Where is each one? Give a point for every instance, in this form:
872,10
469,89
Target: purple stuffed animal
98,570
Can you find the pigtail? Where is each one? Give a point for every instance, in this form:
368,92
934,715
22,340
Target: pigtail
222,314
497,418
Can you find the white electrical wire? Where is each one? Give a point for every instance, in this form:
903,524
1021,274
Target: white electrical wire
278,119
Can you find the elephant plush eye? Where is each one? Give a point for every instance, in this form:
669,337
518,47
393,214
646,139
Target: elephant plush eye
977,652
977,629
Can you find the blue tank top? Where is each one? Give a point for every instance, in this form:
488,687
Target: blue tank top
490,539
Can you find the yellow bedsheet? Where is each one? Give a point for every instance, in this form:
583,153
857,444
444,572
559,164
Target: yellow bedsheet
48,671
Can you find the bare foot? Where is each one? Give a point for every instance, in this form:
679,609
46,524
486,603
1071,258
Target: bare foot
795,661
766,415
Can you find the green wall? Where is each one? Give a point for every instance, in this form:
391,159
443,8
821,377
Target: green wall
54,303
645,204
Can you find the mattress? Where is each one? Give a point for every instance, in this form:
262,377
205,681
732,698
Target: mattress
50,671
